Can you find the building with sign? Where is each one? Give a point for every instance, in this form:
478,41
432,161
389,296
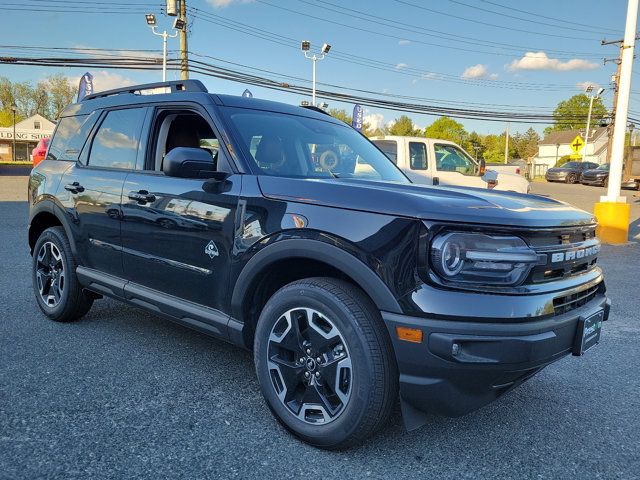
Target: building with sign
28,132
571,143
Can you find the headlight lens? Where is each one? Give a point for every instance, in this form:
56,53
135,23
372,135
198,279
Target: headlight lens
477,258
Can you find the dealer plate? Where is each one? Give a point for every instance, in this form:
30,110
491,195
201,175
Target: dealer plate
588,332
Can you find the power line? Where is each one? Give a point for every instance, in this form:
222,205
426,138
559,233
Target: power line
537,22
209,69
388,35
416,73
597,27
402,25
472,20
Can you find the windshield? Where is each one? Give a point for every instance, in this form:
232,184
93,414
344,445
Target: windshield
572,165
293,146
603,167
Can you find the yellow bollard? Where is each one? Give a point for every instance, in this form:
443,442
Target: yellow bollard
613,221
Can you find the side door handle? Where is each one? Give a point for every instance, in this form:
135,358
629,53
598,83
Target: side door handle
436,181
74,187
142,196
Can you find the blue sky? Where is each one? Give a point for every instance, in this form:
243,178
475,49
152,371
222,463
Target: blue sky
488,54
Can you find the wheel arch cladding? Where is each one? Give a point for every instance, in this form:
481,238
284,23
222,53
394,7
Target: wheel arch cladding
46,215
288,260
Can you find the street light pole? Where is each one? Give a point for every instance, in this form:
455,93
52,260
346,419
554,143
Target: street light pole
586,133
14,107
306,46
151,21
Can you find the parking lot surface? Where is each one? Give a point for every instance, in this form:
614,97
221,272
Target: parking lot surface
124,394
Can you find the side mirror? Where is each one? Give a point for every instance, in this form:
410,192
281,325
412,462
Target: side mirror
491,177
188,162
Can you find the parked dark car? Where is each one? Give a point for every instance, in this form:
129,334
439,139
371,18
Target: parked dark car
570,172
596,176
351,285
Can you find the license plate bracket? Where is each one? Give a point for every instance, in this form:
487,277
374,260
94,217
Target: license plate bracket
588,332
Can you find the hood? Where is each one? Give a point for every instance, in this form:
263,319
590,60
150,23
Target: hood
596,172
455,204
561,169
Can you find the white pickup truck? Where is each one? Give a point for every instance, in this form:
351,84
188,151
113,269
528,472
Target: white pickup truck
440,162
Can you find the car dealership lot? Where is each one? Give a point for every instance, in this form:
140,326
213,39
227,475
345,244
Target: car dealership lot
125,394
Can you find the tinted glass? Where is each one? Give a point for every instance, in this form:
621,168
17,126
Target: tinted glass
294,146
572,165
69,137
389,148
418,155
115,144
604,167
450,158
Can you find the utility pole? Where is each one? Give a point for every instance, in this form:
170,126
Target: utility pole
612,211
506,146
615,82
184,51
592,97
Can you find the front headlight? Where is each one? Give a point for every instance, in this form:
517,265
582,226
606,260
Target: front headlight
481,259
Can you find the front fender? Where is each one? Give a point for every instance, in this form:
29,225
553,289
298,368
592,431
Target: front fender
317,250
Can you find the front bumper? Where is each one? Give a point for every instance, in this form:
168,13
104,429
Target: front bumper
556,177
463,365
593,181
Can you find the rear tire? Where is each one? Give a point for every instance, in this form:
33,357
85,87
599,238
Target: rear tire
331,389
55,283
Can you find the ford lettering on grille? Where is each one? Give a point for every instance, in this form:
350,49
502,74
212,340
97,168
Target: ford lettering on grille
575,254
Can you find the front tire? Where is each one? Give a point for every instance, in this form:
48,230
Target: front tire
571,178
325,362
55,284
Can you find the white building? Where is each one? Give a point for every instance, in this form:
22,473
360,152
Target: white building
28,133
558,144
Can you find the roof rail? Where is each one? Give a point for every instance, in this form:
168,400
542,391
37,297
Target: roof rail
315,109
175,86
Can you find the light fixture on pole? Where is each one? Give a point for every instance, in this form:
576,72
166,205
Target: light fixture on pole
14,109
178,24
589,89
306,48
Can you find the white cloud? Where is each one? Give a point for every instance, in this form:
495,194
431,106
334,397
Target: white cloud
583,85
226,3
404,42
400,66
478,71
430,76
375,120
540,61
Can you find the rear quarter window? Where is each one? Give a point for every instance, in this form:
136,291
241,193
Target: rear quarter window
69,137
389,148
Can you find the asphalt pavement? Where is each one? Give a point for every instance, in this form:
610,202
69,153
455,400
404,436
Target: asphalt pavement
124,394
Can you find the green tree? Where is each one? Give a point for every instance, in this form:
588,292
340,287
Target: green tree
526,144
572,114
342,114
61,94
403,126
445,128
474,144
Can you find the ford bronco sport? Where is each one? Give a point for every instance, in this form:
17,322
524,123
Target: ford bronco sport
351,285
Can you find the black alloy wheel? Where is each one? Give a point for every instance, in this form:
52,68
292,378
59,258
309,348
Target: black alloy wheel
55,284
309,365
325,362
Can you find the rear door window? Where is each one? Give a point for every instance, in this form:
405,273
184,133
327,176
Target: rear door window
115,144
70,136
418,155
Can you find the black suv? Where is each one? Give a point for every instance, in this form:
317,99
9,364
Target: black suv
350,284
